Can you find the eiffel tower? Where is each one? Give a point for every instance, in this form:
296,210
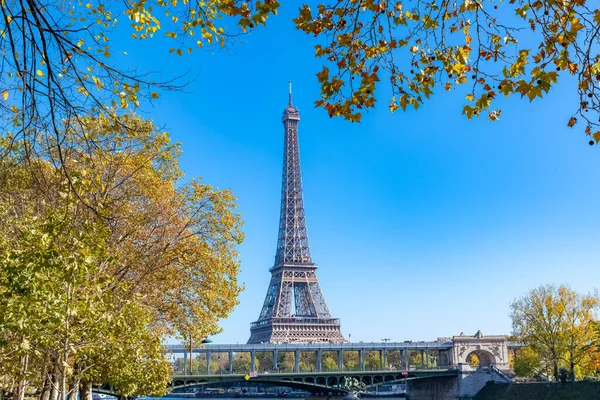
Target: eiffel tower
294,309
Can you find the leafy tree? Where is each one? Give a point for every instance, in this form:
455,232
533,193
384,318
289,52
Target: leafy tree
329,364
473,360
285,361
59,62
97,265
372,360
265,359
558,324
286,365
306,366
419,46
415,358
351,365
242,363
526,362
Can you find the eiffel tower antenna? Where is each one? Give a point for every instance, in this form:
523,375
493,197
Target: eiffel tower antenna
294,309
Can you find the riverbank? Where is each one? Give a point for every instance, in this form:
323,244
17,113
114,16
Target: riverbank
540,391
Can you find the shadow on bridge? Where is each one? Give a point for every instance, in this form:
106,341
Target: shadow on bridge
316,382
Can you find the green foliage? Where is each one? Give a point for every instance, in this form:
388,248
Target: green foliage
421,46
351,365
329,364
372,360
97,265
57,69
526,363
59,60
242,363
558,324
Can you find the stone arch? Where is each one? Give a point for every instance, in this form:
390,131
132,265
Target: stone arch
485,357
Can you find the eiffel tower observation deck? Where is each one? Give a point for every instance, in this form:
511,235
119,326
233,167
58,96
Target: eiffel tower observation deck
294,310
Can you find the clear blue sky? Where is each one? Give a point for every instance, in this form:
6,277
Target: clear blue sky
423,224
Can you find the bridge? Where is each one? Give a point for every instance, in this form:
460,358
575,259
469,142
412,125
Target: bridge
338,367
444,352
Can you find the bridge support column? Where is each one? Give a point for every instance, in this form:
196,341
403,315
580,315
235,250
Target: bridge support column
275,355
297,361
422,358
230,362
208,363
427,357
319,360
384,357
361,359
340,360
252,360
185,364
406,359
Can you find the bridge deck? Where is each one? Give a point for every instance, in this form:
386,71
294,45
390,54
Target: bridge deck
318,381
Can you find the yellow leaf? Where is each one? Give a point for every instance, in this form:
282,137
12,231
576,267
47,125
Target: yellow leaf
40,72
5,94
154,95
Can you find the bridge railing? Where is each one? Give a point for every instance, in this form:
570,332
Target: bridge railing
313,370
290,347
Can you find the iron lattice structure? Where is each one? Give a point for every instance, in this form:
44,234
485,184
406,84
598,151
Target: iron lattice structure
294,309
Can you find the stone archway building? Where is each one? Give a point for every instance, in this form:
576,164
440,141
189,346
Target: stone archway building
490,349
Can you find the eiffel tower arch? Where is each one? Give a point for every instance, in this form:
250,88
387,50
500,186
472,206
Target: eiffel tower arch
294,309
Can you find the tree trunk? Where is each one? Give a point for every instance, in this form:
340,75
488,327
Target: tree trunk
73,389
555,371
47,387
55,383
19,394
572,376
85,391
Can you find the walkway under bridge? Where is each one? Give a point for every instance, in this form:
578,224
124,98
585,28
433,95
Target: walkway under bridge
317,382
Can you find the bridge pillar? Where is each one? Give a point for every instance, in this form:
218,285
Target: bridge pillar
406,358
319,360
427,357
230,362
340,360
384,357
208,363
275,355
422,358
361,359
252,360
185,364
297,361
